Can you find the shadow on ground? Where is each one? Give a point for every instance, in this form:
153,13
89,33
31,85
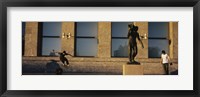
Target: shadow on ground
174,72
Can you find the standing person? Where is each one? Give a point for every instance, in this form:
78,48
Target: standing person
165,61
132,35
63,59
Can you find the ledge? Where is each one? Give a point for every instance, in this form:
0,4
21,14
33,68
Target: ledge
95,59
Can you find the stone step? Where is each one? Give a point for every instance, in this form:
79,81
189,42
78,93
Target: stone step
107,68
95,59
133,69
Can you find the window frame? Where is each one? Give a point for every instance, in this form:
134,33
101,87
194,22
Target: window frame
159,38
40,41
83,37
117,38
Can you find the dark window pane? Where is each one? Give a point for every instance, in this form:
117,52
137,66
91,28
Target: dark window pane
49,44
23,36
51,28
119,47
23,28
158,29
87,29
120,29
86,47
156,46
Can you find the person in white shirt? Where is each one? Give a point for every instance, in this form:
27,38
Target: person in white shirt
165,61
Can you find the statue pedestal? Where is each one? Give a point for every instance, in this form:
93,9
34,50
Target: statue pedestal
133,69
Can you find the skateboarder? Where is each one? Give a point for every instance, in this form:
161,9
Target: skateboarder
132,35
63,59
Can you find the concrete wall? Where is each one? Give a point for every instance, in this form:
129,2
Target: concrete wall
104,40
173,38
67,44
31,39
143,29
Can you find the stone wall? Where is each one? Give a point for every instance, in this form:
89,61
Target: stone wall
31,39
67,44
173,39
143,29
104,39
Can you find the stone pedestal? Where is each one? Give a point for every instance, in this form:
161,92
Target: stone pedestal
133,69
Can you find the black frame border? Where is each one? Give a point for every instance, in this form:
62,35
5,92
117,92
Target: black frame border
98,3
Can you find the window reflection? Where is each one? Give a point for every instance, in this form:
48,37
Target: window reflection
50,44
156,46
86,42
119,39
87,29
158,41
120,47
86,47
51,28
119,29
158,29
51,40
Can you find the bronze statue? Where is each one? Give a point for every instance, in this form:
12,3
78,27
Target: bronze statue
133,50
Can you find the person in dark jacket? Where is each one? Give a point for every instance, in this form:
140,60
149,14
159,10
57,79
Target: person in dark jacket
63,59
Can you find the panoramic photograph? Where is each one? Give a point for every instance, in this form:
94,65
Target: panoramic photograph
100,48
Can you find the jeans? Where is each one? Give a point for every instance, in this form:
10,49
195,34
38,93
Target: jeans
166,68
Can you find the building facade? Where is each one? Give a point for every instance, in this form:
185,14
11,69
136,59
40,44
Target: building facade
97,47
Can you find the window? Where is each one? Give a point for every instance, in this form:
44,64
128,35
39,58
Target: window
23,37
119,39
51,40
158,38
86,39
